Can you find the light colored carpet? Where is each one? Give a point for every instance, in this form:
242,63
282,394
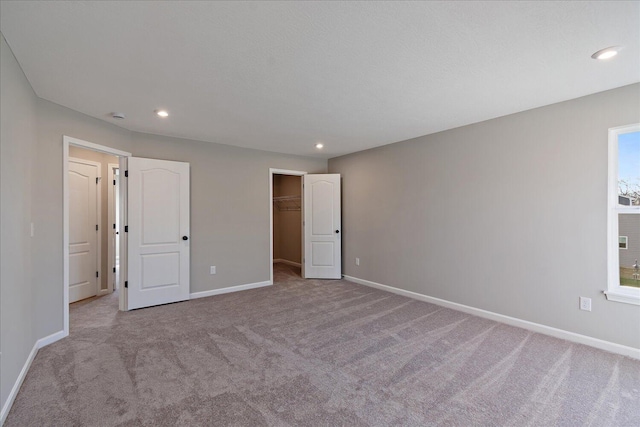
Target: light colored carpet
317,353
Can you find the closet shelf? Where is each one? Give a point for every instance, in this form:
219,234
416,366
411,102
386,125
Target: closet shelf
287,203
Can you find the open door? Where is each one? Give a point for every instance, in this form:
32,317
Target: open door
157,232
84,266
322,227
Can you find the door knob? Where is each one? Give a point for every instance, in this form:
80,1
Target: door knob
185,238
337,231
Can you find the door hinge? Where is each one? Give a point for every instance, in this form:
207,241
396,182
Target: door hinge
96,227
114,226
126,284
126,174
96,180
126,228
97,274
114,269
114,182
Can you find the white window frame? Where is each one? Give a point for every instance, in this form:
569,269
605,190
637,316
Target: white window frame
626,242
614,291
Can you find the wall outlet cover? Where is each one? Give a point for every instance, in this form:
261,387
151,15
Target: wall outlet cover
585,303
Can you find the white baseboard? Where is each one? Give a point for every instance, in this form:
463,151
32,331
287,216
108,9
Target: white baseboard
16,386
42,342
212,292
513,321
286,261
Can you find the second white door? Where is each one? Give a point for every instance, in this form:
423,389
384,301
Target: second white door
322,227
83,229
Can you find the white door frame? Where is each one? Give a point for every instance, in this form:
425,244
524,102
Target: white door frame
98,165
112,220
272,172
66,142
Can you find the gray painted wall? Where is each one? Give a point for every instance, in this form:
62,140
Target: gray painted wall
17,148
507,215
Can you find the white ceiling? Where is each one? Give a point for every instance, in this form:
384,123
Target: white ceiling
281,76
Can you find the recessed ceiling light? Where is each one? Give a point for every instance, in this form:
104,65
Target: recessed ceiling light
162,113
319,145
606,53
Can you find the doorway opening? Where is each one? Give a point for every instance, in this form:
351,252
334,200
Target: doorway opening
287,244
85,213
93,190
91,210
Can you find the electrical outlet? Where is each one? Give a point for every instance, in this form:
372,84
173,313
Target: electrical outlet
212,269
357,261
585,303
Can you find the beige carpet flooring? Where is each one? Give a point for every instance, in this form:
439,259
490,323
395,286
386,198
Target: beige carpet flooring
317,353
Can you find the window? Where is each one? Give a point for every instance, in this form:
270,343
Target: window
624,215
622,242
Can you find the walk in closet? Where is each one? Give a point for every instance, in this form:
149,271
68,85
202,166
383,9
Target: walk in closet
287,219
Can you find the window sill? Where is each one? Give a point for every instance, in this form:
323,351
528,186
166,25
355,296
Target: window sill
629,297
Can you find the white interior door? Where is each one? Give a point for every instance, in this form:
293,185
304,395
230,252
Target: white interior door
83,229
158,232
322,227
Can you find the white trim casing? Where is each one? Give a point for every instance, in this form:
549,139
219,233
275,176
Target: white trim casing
124,239
615,292
272,172
622,296
95,147
525,324
229,289
111,220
